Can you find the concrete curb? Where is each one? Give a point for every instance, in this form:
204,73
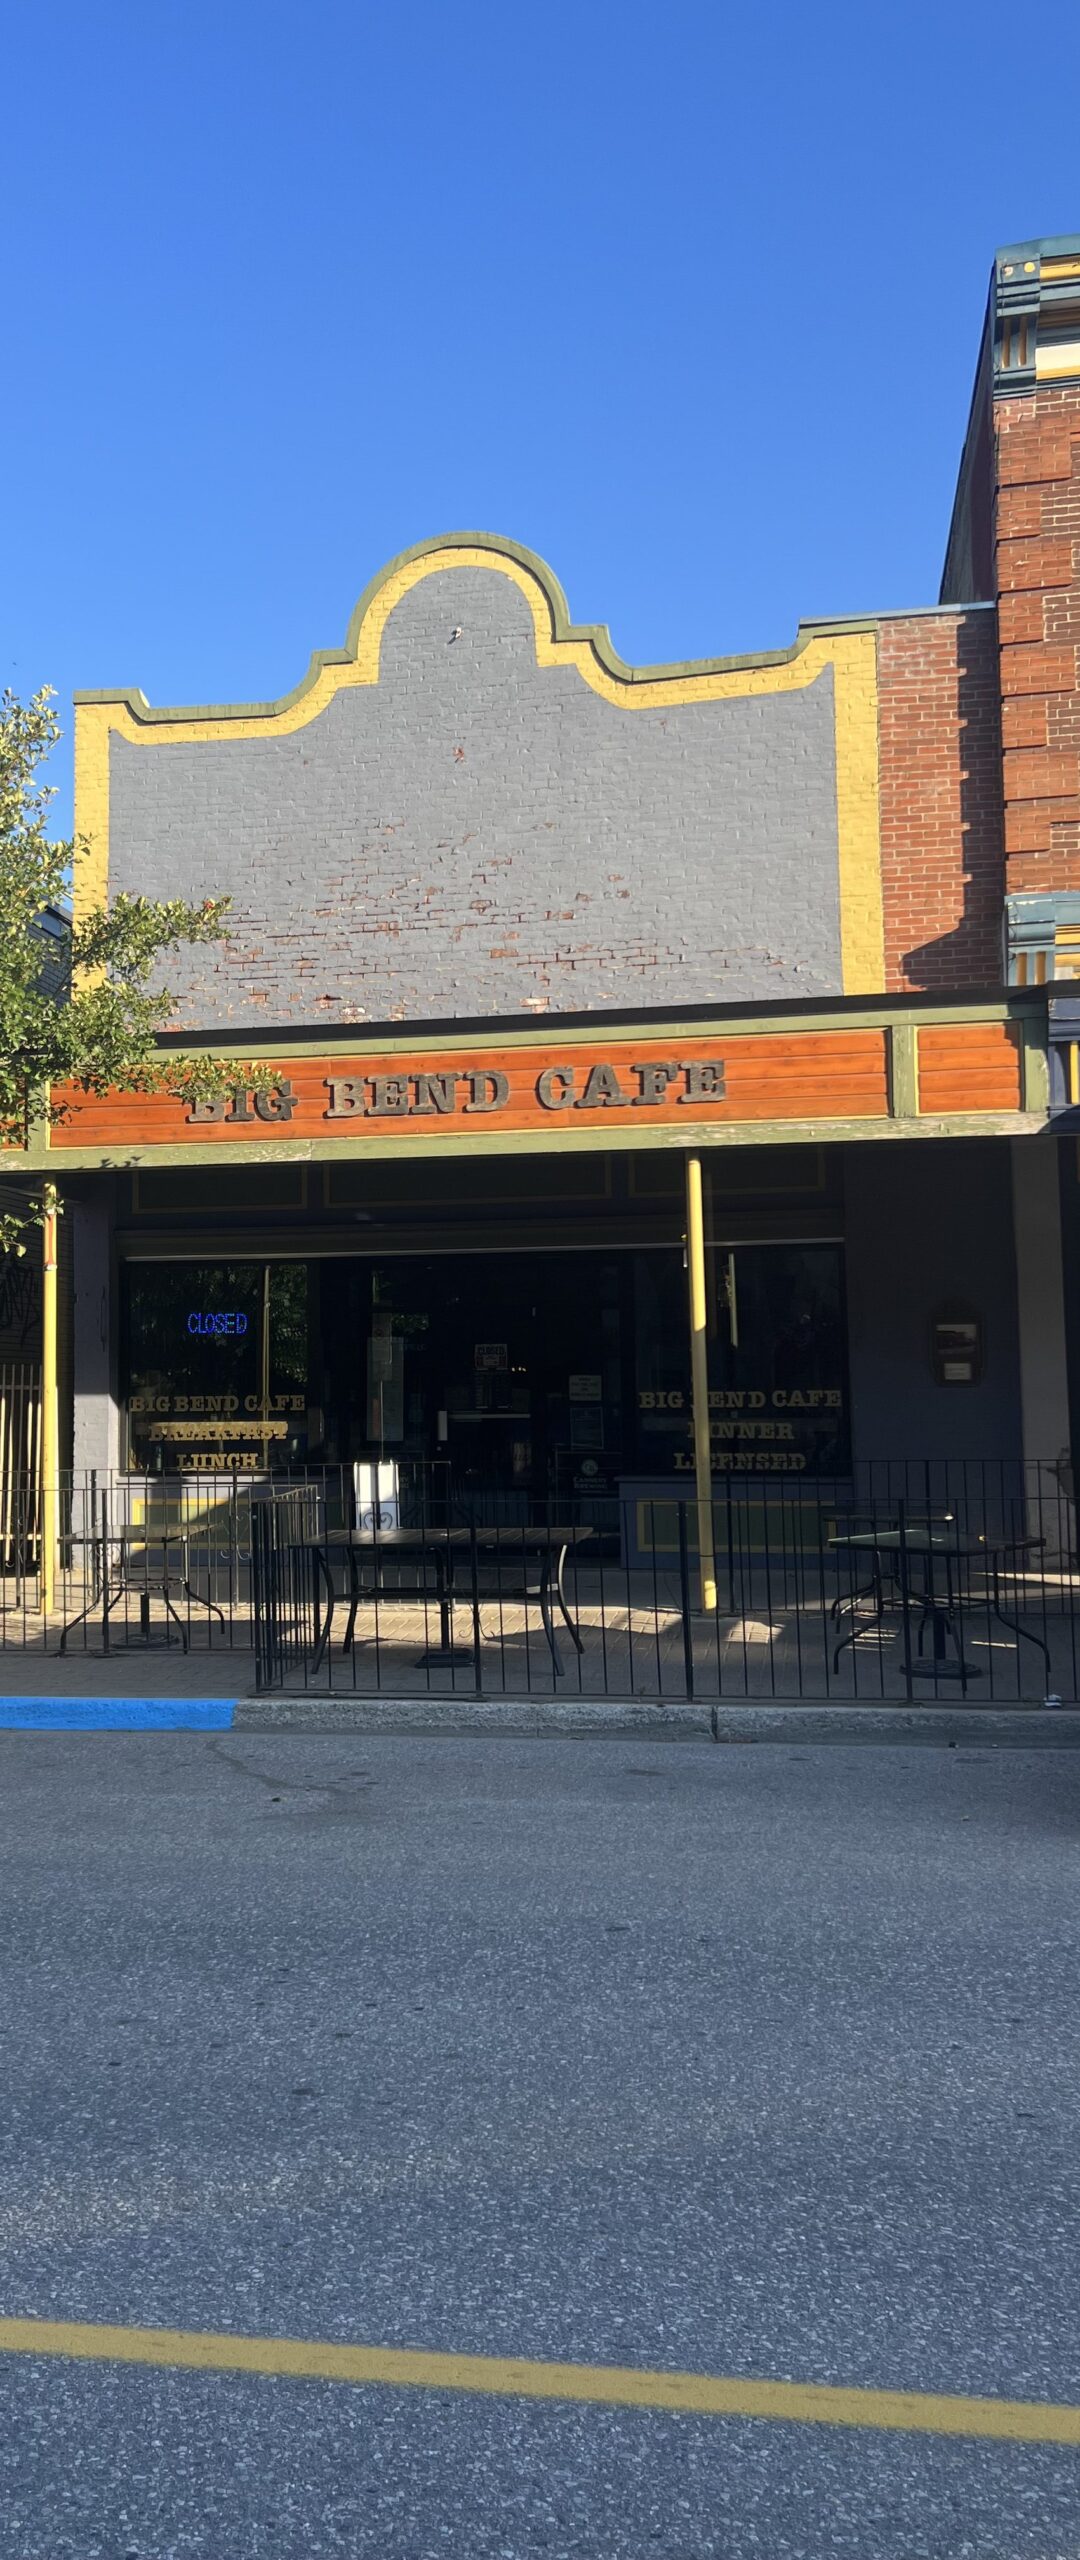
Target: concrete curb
1019,1728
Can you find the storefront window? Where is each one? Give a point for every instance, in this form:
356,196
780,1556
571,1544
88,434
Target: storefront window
554,1373
777,1366
216,1363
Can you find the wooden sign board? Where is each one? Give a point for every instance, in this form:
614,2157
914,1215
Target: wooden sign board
626,1089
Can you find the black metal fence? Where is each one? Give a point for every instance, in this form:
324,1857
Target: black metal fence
905,1580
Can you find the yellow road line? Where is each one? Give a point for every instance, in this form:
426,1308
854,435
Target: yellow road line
612,2386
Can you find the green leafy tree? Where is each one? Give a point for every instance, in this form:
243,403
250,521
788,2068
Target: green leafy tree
94,1021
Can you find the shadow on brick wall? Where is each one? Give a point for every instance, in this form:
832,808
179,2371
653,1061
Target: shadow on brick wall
969,954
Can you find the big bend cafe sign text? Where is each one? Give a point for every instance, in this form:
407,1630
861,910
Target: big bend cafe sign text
625,1086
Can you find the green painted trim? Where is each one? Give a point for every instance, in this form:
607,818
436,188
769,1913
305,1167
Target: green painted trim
593,635
691,1137
851,1013
904,1070
37,1127
1034,1067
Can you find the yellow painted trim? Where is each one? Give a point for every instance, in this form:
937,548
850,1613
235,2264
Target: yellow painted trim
1058,364
93,722
851,654
858,830
50,1416
610,2386
699,1379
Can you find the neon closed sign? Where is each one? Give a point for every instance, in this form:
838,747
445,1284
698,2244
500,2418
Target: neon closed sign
217,1320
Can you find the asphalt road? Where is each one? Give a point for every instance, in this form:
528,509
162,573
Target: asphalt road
743,2061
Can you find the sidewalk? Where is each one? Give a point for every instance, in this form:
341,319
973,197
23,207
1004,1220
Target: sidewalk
144,1676
131,1671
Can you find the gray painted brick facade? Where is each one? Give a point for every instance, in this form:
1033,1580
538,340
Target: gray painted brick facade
476,835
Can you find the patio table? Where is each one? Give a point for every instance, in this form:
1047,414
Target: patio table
447,1549
120,1562
907,1549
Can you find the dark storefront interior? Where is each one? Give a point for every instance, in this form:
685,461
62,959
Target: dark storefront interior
524,1320
531,1371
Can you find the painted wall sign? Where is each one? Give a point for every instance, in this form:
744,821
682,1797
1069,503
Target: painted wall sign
224,1406
741,1419
212,1434
218,1431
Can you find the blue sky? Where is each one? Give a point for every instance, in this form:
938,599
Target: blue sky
686,298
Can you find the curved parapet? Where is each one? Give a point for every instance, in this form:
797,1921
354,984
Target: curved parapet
739,825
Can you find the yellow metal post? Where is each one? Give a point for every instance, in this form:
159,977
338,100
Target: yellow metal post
264,1354
699,1378
50,1435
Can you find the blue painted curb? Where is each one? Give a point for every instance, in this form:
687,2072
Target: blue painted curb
117,1715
